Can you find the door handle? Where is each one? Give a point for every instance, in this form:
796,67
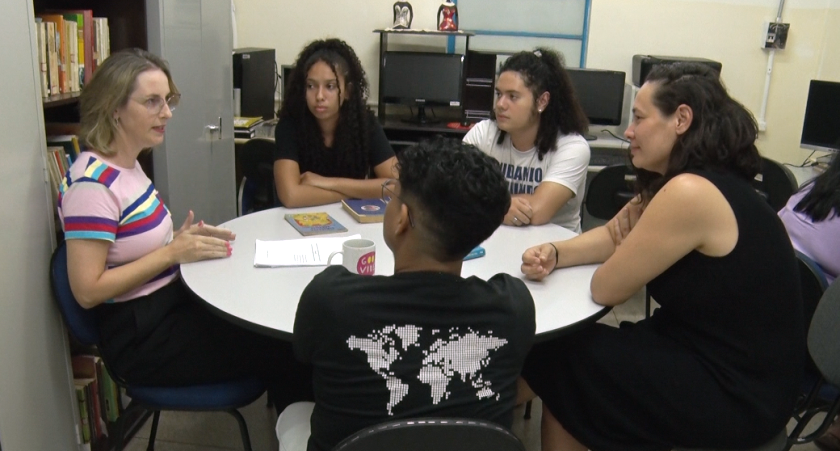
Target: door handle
215,128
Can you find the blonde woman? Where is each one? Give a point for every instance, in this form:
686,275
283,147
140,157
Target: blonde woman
123,252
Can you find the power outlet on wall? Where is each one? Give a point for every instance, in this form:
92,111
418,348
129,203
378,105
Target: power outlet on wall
775,35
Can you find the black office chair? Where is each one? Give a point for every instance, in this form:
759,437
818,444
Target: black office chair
775,183
438,434
813,281
824,349
256,190
609,191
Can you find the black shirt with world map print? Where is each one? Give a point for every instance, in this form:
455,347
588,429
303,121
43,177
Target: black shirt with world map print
411,345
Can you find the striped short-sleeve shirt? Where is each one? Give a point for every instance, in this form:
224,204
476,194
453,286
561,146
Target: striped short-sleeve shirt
101,201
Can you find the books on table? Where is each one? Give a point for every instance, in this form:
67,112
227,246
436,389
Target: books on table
316,223
299,252
365,210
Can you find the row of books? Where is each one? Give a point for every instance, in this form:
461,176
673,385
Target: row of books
62,151
71,45
98,397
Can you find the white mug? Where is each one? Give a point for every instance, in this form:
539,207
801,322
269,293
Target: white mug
359,256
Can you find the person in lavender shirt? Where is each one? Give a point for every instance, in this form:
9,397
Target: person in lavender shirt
812,219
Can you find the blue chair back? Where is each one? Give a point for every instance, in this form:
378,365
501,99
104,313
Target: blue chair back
81,322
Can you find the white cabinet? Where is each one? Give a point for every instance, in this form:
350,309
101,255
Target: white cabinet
36,396
194,168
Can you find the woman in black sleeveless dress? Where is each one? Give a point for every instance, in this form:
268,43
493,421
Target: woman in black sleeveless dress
718,365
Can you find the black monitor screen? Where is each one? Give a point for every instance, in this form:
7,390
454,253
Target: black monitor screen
600,93
422,78
821,129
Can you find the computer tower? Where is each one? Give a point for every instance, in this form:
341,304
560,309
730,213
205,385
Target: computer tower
643,64
254,76
479,80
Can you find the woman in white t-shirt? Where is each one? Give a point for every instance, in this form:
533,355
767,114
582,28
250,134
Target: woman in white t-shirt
536,135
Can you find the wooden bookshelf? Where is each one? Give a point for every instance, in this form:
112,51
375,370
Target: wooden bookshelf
127,29
61,99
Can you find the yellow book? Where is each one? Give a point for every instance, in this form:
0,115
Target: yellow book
246,122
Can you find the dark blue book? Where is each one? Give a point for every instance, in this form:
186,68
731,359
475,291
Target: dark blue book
365,210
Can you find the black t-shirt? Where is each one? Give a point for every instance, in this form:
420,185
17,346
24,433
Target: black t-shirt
289,147
410,345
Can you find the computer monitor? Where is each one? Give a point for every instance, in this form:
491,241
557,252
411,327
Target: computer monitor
600,93
821,128
420,79
285,75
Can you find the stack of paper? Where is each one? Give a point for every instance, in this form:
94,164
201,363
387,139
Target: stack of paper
300,252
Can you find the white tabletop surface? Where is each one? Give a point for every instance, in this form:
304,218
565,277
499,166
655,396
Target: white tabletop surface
265,299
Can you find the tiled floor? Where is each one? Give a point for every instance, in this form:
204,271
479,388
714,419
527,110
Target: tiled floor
180,431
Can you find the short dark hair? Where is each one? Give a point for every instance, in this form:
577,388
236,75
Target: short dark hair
457,194
543,70
722,132
823,200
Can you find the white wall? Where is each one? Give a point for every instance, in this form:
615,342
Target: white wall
728,31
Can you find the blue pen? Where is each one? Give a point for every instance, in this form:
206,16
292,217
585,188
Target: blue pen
475,253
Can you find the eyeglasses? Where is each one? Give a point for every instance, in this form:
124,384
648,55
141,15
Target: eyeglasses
388,194
154,104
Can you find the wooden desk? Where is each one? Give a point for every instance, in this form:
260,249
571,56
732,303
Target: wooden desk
265,299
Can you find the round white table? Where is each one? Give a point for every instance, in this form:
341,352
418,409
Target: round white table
265,299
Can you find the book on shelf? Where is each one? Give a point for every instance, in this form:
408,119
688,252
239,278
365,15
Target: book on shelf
72,30
365,210
246,127
316,223
84,22
60,48
41,38
52,59
84,420
246,122
70,143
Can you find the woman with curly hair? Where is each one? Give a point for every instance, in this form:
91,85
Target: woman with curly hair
719,364
536,134
329,145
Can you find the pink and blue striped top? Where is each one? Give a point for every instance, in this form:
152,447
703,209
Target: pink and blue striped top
101,201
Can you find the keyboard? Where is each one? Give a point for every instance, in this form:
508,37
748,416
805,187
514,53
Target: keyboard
607,158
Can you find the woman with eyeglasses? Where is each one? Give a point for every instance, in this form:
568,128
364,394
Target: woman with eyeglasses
329,146
123,252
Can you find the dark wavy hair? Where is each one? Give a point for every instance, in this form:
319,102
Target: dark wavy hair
544,70
349,151
722,132
456,194
823,201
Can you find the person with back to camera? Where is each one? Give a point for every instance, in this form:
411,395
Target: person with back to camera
812,220
536,134
329,146
719,364
425,341
122,251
